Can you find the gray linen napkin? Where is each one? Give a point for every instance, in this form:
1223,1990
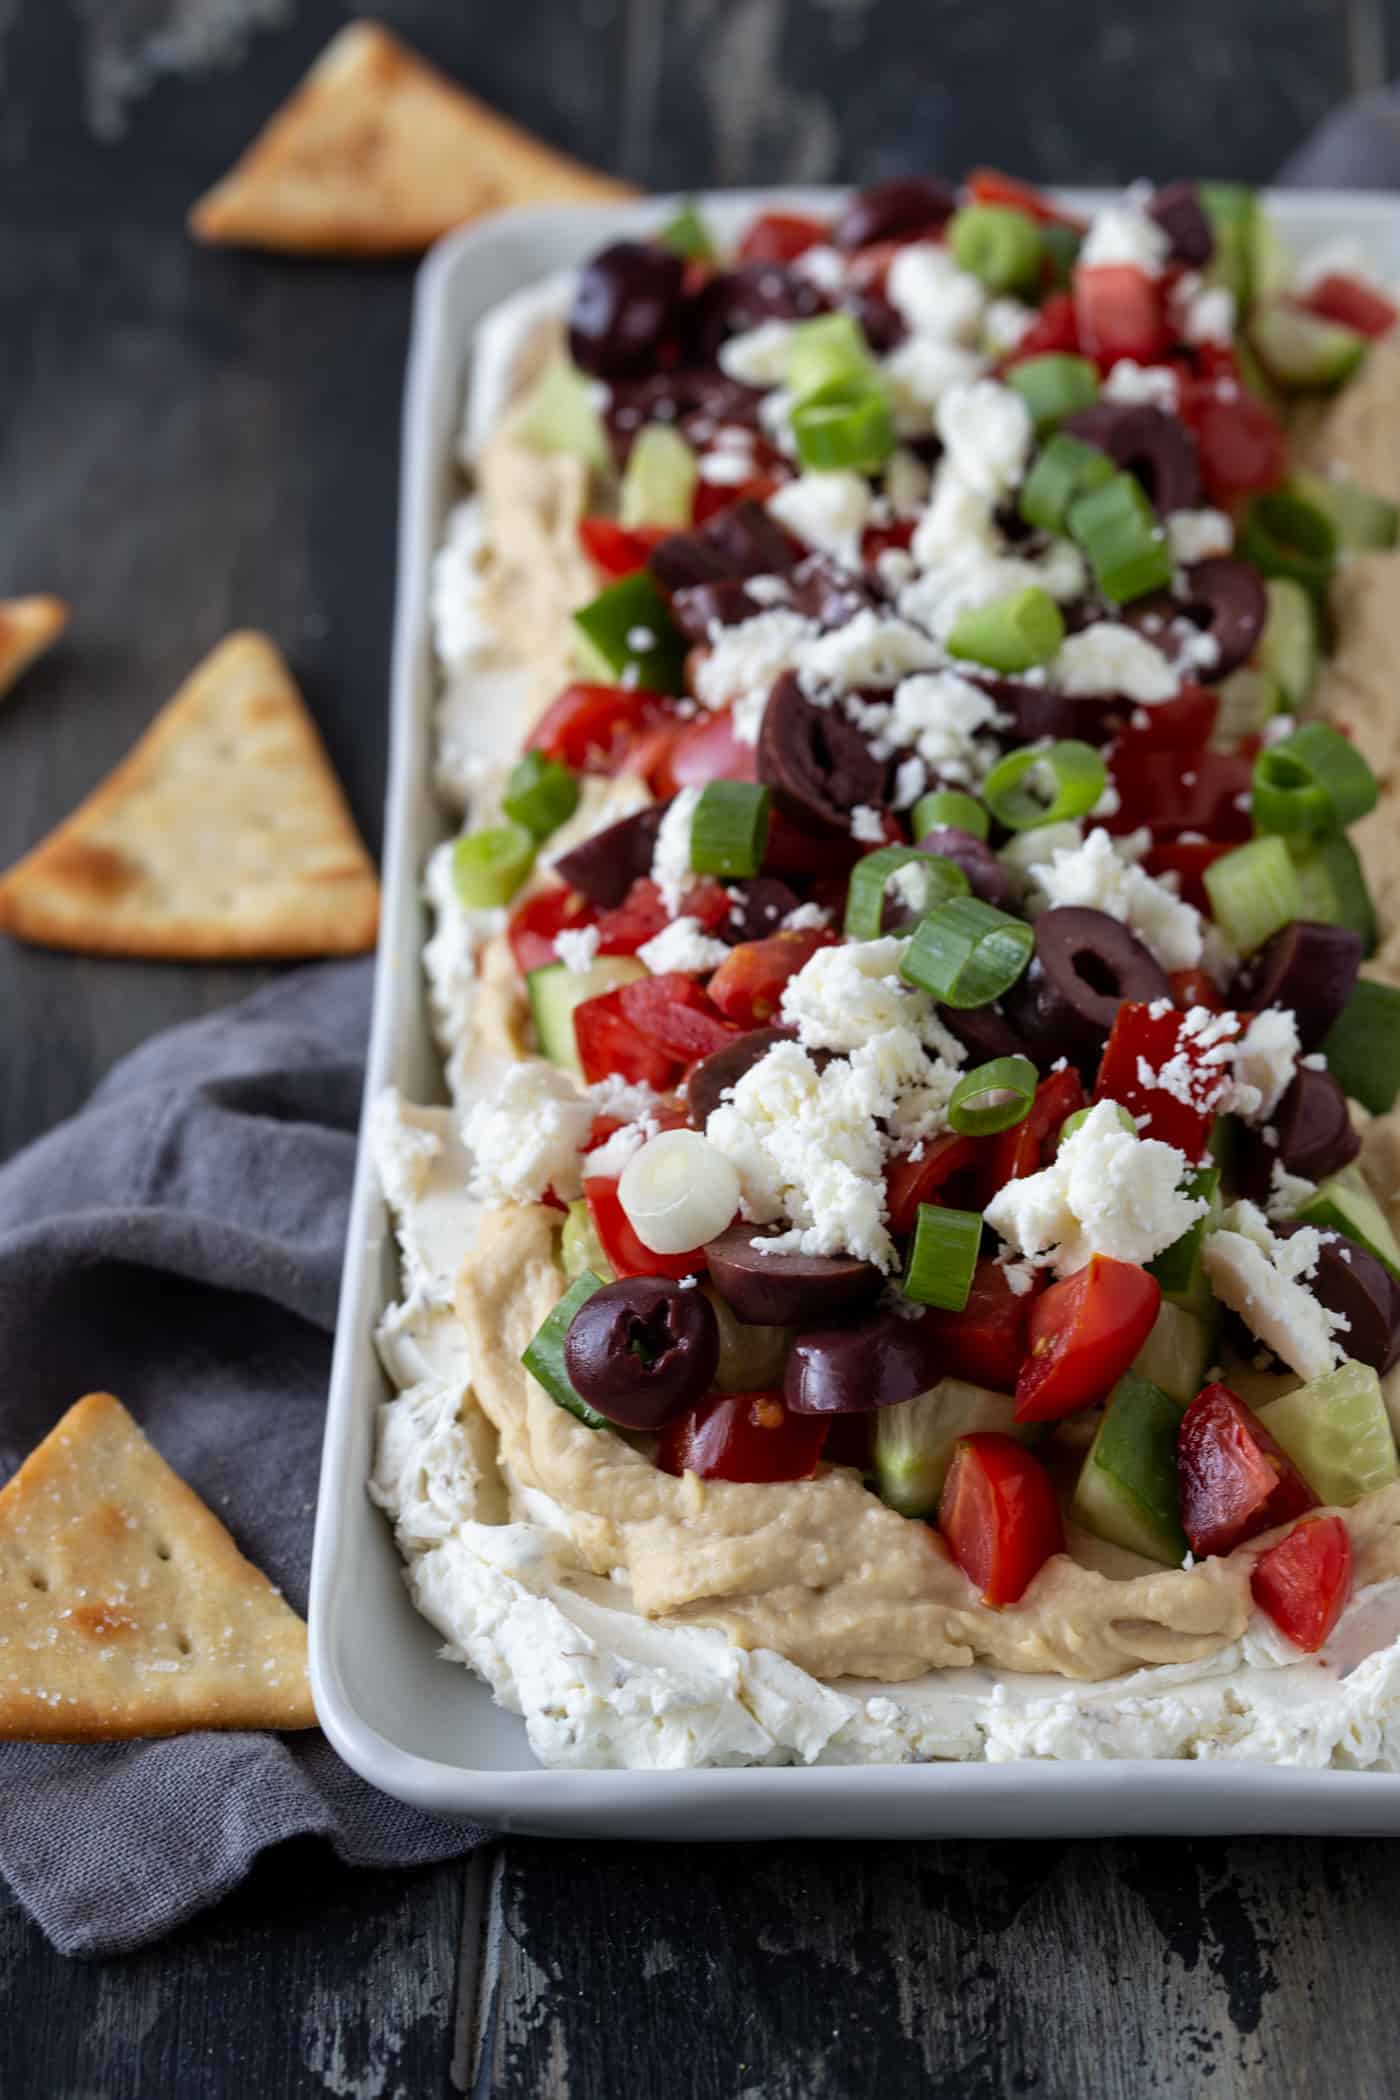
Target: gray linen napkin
179,1243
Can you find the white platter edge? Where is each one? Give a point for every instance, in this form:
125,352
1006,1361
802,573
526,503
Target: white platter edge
429,1732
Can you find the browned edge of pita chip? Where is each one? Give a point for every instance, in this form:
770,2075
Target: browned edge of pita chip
28,626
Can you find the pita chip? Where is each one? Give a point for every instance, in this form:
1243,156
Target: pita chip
125,1607
377,153
223,835
27,627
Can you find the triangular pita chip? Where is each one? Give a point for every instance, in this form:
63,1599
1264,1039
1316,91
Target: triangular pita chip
223,835
377,153
125,1607
27,626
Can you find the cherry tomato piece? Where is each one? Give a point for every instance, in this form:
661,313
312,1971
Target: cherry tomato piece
910,1182
743,1436
1120,312
711,497
672,1012
1188,860
1195,988
1352,303
1304,1581
987,1341
589,727
620,1243
990,186
999,1515
613,548
1084,1333
1234,1480
533,925
1029,1145
1053,329
781,236
748,986
1240,443
1182,723
705,750
1165,792
1140,1048
608,1043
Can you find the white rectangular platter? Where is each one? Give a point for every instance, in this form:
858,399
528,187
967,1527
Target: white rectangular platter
430,1732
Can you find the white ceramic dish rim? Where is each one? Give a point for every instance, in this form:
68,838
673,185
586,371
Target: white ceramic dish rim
430,1733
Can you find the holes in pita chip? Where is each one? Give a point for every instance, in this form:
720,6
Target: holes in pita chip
183,1643
162,1550
37,1581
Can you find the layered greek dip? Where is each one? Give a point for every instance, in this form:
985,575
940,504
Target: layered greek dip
909,1270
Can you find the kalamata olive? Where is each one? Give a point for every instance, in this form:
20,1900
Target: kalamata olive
1312,1132
641,1349
1224,599
1178,210
702,606
1147,443
787,1290
895,210
627,304
711,1079
984,1031
740,541
687,396
760,904
605,867
1037,711
817,763
878,1362
736,300
989,880
821,590
1085,965
1308,968
1352,1282
880,323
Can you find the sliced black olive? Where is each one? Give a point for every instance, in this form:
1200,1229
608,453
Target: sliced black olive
641,1349
1148,444
736,300
1308,968
760,905
881,323
982,1030
712,1078
878,1362
895,210
605,867
786,1290
821,590
1085,965
1312,1135
1037,711
1224,599
627,304
695,398
1352,1282
1178,210
740,541
702,606
989,880
817,763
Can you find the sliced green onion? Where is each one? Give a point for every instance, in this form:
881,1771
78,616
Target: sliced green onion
1119,532
993,1097
943,1256
729,830
1061,244
871,878
1284,535
627,633
1076,770
996,243
1334,889
658,482
1314,781
1064,471
1053,386
948,806
544,1359
966,953
1079,1117
541,794
847,424
1253,892
1362,1047
686,233
827,351
1013,633
489,866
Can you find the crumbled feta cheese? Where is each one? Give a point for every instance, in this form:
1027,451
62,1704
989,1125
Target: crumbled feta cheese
822,266
744,661
1123,234
1202,313
577,946
945,717
683,945
827,511
1107,657
726,469
759,356
606,1161
843,996
958,519
670,866
986,431
871,649
1261,1278
932,296
1107,1191
1287,1192
804,918
867,825
910,780
1156,385
907,484
1265,1060
1196,535
525,1138
1023,852
1004,324
1095,875
919,372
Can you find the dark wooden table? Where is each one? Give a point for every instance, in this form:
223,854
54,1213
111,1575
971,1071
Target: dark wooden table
189,441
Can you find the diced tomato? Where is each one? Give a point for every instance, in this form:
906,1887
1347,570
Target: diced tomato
613,548
879,539
1168,793
748,986
910,1182
620,1243
533,925
1352,303
1120,313
987,1341
589,727
643,913
781,236
705,750
1084,1333
1304,1581
1234,1480
1182,723
608,1043
1195,988
1188,860
1240,443
1054,328
990,186
711,497
743,1436
792,851
999,1515
672,1011
1028,1145
1141,1046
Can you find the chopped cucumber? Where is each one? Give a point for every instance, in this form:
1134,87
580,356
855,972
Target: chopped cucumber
751,1358
1232,211
1271,265
627,632
1333,887
1180,1268
1256,379
1344,1203
1127,1490
580,1248
1304,354
658,482
558,415
914,1440
1337,1433
1290,644
1177,1352
555,992
1248,699
544,1358
1362,519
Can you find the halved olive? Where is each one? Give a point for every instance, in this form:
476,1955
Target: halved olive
877,1362
786,1290
895,210
712,1077
627,305
605,867
1147,443
817,763
1349,1281
642,1349
1309,968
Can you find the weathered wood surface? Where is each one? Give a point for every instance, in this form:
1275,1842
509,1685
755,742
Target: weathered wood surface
189,441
